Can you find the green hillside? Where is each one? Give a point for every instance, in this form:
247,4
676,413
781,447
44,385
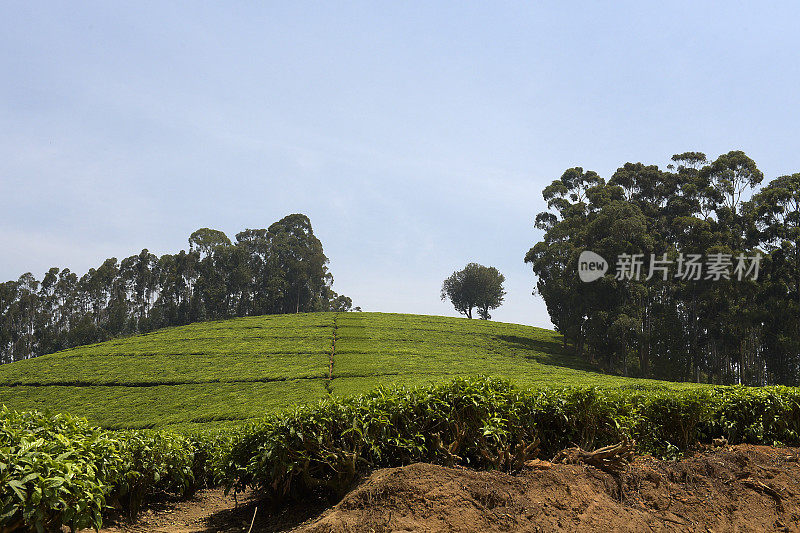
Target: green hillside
209,373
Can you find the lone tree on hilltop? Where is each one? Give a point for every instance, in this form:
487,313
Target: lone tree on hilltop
474,287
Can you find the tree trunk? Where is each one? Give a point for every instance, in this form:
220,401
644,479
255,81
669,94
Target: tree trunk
741,362
624,359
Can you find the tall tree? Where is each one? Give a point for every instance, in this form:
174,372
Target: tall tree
297,257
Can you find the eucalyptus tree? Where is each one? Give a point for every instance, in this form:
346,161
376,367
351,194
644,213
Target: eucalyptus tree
8,299
557,254
299,265
776,210
256,244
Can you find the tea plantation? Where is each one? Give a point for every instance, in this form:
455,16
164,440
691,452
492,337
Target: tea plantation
220,373
288,405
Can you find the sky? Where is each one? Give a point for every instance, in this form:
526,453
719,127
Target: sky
417,136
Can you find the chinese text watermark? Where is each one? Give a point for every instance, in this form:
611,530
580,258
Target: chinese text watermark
685,267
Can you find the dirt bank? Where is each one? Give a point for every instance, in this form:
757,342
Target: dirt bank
740,488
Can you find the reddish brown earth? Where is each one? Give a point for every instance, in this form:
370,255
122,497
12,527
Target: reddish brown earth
739,488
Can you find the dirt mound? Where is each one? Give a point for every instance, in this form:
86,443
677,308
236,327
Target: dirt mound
742,488
739,488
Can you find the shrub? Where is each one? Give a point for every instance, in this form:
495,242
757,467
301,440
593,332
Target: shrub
157,462
769,415
54,469
668,420
57,470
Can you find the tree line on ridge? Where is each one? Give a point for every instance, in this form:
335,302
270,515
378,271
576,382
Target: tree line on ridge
282,269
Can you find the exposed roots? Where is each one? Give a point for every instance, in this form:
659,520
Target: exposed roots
612,459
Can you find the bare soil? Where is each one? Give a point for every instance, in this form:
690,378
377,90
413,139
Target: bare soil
737,488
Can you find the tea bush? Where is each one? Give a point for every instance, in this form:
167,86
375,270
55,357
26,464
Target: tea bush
54,470
154,463
57,470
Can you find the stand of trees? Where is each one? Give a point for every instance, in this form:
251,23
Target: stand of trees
720,331
281,269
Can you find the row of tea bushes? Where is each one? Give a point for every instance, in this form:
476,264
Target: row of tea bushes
488,423
58,470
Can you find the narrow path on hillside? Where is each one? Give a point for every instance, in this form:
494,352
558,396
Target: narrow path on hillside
213,511
328,384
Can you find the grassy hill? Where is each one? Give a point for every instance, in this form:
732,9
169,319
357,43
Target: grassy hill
205,374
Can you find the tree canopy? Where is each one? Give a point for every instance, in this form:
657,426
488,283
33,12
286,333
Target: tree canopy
717,329
474,287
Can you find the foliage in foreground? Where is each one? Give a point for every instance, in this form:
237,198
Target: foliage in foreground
56,469
488,423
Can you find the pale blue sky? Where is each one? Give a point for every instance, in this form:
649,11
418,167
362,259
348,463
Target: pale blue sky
417,136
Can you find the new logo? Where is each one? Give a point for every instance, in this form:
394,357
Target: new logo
591,266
